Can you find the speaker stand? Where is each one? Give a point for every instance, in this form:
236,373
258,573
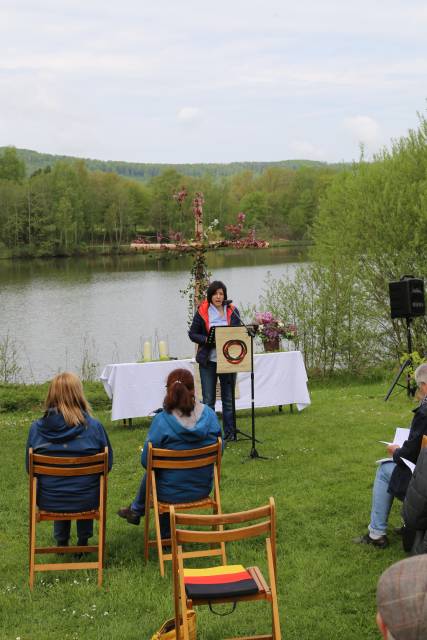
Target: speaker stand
410,391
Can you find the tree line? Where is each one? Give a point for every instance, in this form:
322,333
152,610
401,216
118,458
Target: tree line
67,209
144,171
371,229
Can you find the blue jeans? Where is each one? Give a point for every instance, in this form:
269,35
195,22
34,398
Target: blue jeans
62,528
381,499
138,505
208,377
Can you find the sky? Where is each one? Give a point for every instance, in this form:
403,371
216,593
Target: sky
231,80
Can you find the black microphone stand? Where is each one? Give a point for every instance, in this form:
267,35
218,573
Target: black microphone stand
251,333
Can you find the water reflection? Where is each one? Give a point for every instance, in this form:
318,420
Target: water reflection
57,309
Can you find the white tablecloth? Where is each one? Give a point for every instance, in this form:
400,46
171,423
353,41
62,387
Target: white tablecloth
138,389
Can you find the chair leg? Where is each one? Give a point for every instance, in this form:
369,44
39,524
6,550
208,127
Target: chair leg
101,541
274,605
159,538
32,536
183,599
146,532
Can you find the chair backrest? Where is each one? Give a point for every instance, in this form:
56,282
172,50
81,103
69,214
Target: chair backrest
42,465
185,458
266,527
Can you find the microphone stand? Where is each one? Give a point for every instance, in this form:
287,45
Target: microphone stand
251,333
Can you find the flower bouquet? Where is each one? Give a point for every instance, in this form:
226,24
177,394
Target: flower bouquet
271,330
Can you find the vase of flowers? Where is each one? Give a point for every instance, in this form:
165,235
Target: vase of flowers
271,330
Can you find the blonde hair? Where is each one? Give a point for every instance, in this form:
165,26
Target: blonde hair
66,394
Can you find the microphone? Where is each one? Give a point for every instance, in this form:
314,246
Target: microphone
227,303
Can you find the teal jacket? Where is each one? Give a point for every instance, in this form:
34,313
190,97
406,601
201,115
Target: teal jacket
182,485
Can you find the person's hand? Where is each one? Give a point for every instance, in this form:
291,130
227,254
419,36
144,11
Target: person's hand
391,448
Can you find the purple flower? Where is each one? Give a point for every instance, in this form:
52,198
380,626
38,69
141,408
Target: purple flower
272,328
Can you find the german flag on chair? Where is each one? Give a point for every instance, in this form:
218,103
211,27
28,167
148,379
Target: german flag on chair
219,582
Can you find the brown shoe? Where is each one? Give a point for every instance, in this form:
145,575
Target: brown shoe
128,514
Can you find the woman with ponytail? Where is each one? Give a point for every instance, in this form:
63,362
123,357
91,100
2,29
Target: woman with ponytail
184,423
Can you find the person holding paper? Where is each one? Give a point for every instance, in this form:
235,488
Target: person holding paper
393,476
215,311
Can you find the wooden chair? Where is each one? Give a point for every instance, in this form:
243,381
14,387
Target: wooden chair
261,590
60,466
184,459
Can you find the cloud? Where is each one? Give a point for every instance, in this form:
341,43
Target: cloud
188,114
363,128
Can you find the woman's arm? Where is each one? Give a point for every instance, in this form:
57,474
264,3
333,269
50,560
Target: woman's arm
197,332
154,436
410,449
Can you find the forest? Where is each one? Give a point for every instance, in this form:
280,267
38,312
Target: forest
68,209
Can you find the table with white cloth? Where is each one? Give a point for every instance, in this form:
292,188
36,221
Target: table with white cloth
138,389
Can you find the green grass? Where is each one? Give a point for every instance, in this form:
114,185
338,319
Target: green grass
320,471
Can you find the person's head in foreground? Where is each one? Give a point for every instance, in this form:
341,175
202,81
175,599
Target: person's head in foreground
66,395
180,393
421,379
402,600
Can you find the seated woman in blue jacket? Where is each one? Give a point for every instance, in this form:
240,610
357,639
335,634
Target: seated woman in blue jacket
68,429
185,423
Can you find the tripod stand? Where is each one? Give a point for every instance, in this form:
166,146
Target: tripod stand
251,331
236,431
404,367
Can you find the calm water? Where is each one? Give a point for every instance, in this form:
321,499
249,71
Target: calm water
59,309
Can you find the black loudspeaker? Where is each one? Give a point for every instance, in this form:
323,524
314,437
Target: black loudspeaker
407,298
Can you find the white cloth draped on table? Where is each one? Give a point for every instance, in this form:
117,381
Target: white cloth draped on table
138,389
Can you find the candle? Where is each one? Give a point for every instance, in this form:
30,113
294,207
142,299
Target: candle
163,350
147,351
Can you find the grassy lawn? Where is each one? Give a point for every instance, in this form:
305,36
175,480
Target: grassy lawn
320,471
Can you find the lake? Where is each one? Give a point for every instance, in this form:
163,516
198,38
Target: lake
60,310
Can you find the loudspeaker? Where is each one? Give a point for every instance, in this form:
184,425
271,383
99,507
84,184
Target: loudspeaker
407,298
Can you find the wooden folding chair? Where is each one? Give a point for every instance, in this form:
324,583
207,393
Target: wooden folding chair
213,583
184,459
60,466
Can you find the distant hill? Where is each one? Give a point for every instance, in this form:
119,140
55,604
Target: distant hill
145,171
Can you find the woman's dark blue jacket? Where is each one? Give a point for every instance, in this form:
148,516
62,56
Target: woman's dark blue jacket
50,435
199,329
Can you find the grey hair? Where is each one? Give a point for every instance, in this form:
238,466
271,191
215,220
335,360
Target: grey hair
421,374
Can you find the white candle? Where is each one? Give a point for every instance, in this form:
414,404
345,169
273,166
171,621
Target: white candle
163,349
147,351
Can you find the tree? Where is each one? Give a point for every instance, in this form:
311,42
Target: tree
11,167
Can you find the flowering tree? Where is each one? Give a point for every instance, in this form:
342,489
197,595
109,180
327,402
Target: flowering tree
199,275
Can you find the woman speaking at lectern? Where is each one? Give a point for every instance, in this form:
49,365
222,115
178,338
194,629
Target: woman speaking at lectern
215,311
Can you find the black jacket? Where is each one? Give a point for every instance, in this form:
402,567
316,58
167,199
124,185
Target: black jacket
414,510
410,450
200,328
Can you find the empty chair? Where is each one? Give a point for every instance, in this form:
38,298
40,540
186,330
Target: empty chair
227,583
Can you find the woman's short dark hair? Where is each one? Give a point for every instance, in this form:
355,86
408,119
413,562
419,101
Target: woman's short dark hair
179,392
213,288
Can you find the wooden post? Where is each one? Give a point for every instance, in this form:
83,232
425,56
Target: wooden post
198,237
